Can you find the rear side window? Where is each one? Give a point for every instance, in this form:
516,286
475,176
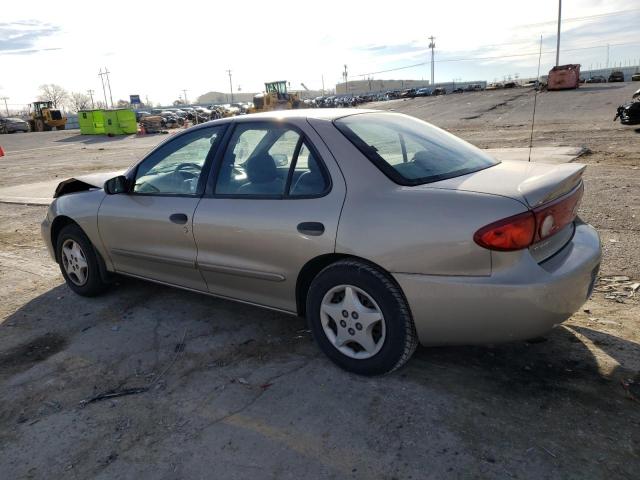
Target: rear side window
269,160
410,151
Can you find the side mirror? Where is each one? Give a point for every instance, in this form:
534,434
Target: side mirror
116,185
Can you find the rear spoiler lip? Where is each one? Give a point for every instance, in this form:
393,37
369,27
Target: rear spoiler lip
538,190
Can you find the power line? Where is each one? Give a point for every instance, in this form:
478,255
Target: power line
580,19
495,57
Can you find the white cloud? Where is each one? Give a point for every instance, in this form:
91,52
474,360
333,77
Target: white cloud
159,48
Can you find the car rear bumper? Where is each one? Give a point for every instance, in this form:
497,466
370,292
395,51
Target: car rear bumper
525,302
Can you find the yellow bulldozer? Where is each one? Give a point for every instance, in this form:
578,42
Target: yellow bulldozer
275,97
44,117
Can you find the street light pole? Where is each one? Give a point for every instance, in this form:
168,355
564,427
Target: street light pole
90,92
230,85
559,22
184,90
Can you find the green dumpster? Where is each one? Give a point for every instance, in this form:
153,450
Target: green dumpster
91,122
120,122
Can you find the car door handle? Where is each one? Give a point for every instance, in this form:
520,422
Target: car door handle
179,218
311,228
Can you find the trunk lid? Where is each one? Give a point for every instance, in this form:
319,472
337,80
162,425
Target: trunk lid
533,184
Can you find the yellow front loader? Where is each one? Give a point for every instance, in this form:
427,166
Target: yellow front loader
275,97
44,117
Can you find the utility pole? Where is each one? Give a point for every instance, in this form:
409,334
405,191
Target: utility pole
6,108
230,85
559,22
90,93
346,80
432,46
104,91
607,55
107,72
184,90
323,85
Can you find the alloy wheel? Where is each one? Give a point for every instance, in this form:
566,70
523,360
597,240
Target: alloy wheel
74,262
352,321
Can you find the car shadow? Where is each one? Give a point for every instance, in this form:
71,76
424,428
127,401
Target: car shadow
551,364
96,139
58,319
549,368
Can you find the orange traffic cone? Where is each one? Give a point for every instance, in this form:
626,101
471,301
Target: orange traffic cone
142,130
1,151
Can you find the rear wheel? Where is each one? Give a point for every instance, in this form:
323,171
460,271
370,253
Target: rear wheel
79,262
360,318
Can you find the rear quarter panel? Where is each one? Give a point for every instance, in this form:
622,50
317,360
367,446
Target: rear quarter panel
410,229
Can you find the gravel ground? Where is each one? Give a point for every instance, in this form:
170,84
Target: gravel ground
239,392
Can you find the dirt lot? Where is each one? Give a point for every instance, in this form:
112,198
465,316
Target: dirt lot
240,392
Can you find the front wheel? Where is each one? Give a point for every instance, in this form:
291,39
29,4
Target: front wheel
79,262
360,318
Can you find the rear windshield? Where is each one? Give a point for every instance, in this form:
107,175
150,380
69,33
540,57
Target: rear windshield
410,151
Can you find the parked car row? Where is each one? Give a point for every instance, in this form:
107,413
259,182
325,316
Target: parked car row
615,76
173,117
13,125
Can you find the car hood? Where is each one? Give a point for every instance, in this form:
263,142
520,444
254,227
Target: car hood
530,183
84,182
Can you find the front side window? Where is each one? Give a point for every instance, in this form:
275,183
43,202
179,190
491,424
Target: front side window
411,151
176,168
269,160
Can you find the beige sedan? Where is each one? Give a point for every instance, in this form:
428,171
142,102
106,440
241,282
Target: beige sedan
382,230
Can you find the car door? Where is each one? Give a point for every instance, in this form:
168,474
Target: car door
147,231
274,204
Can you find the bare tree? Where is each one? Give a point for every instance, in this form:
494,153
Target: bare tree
79,101
123,104
54,94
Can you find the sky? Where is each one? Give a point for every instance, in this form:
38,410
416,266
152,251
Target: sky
157,49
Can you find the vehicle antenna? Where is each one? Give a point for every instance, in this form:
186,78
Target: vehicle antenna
535,100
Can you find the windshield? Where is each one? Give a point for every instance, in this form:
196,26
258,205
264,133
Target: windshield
410,151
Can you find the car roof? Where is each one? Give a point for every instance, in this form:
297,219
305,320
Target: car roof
328,114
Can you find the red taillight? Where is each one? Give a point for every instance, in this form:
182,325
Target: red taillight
553,216
512,233
522,230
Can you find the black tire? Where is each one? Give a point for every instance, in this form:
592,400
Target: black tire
401,338
94,284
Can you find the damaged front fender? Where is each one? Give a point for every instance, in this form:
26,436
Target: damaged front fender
84,183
